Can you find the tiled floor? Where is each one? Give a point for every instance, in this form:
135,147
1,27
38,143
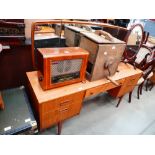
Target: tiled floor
99,116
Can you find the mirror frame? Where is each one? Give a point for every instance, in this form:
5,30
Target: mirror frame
125,55
65,22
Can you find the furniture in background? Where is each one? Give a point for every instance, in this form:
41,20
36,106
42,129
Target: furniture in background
17,117
152,79
134,40
144,61
1,102
14,63
15,57
56,105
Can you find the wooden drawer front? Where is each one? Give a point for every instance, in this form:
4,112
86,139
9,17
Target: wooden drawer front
60,109
103,88
54,117
129,85
131,81
69,111
62,102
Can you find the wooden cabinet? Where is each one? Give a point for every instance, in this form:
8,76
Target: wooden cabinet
60,109
52,110
58,104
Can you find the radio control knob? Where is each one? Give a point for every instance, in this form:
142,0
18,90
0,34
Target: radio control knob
40,78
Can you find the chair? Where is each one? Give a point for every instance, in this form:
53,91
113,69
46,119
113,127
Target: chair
145,61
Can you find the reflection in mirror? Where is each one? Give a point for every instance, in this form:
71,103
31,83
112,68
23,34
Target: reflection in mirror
46,35
135,36
134,41
73,32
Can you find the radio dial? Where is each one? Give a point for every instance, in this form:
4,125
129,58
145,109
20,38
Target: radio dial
40,78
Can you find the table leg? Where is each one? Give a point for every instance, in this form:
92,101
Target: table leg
59,128
119,101
130,96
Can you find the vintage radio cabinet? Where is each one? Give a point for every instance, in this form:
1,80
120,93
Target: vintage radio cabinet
61,66
105,53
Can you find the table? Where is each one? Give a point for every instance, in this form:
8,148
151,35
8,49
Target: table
56,105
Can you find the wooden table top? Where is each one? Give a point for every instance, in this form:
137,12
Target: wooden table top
125,70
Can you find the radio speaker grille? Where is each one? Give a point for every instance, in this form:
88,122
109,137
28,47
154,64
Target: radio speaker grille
65,70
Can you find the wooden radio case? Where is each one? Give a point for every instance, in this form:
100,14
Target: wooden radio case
105,53
61,66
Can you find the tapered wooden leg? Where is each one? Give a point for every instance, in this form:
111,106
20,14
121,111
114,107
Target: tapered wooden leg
141,88
138,91
59,128
147,81
130,95
119,101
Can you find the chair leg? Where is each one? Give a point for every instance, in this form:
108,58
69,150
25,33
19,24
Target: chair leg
147,81
138,91
119,101
130,96
141,88
152,85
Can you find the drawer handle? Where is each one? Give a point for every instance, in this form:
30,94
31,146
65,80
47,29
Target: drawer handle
63,110
65,102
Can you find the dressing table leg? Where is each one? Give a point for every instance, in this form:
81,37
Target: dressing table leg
59,128
119,101
130,95
138,92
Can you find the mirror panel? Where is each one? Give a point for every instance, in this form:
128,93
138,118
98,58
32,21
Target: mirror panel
67,33
136,36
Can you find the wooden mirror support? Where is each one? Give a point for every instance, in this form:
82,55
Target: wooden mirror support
62,22
132,50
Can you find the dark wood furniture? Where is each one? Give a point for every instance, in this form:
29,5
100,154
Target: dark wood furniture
61,66
14,63
1,102
56,105
146,62
12,32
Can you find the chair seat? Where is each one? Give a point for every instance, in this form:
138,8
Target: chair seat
140,81
150,75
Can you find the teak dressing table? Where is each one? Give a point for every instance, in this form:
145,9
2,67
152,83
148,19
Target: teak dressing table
55,105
